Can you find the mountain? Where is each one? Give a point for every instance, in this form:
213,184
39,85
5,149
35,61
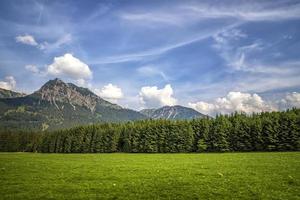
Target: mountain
60,105
57,91
10,94
172,112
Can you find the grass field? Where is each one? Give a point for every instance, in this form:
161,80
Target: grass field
150,176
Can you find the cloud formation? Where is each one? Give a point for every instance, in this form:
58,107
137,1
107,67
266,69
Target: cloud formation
246,102
291,100
26,39
110,92
233,101
69,66
32,68
152,97
9,83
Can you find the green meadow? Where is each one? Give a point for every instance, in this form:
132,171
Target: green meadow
150,176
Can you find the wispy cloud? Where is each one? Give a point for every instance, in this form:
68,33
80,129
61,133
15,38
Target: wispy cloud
154,19
45,46
250,57
247,11
182,14
234,56
64,40
160,50
148,53
151,71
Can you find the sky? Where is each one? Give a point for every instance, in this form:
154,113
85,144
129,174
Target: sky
213,56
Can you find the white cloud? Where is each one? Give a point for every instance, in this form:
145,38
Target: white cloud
83,83
154,97
290,100
9,83
110,92
69,66
32,68
234,101
26,39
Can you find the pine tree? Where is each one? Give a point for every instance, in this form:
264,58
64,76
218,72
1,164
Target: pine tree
201,146
218,137
270,131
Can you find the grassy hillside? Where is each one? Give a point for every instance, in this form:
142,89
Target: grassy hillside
150,176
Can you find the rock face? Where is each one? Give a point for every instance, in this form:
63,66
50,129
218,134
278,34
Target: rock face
10,94
173,112
60,105
57,91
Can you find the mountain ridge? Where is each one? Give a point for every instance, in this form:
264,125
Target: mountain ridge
4,93
59,105
172,112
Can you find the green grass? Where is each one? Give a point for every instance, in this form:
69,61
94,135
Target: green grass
150,176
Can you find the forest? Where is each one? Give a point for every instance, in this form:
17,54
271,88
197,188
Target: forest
238,132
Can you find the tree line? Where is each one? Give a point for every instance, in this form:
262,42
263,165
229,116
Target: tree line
267,131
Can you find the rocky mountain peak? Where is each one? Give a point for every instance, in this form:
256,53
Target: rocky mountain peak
58,91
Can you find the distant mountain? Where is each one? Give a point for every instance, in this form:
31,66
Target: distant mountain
172,112
60,105
56,90
10,94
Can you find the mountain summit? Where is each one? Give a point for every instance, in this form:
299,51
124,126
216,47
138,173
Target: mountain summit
58,91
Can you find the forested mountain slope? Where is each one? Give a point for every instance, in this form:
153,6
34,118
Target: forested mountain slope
10,94
60,105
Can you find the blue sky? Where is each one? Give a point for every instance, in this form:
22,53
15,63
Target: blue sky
214,56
